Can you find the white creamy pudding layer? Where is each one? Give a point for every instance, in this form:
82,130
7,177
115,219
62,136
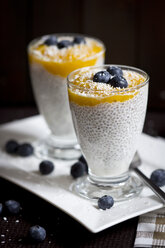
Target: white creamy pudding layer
51,95
52,99
108,130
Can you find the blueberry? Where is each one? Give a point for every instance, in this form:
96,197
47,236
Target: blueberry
46,167
11,146
118,81
37,233
25,150
105,202
64,44
78,169
114,70
79,40
1,208
52,40
83,160
158,177
12,206
102,77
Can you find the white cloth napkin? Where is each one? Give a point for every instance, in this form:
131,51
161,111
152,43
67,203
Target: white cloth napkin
151,230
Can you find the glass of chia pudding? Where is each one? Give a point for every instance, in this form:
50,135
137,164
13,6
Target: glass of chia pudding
108,105
51,59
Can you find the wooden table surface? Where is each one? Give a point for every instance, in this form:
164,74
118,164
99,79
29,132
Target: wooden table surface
62,230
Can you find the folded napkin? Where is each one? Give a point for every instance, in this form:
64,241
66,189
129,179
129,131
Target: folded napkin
151,230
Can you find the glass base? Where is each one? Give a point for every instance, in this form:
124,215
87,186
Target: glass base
50,148
120,192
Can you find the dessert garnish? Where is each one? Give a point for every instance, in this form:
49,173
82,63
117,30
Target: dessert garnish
83,160
1,208
105,202
51,41
114,78
118,82
11,146
79,40
25,150
158,177
78,170
46,167
13,206
115,70
64,44
37,233
102,77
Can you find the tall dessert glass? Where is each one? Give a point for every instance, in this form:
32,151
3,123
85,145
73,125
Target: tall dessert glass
51,59
108,113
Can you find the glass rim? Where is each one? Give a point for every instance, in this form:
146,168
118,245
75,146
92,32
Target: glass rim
105,66
44,37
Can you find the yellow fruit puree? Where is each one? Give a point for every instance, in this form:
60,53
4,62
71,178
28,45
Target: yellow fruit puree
63,61
83,91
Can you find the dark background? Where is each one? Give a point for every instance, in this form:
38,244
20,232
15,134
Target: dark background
132,30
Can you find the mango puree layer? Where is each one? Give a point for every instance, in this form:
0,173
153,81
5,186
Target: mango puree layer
88,93
61,62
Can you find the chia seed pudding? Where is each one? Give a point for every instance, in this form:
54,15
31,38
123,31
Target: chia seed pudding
51,59
108,119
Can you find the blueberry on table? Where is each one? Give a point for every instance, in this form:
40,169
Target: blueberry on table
25,150
102,77
83,160
79,40
115,70
105,202
158,177
64,44
46,167
1,208
11,146
13,206
37,233
118,81
78,170
51,41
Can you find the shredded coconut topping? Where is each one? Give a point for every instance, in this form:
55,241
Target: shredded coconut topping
83,83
